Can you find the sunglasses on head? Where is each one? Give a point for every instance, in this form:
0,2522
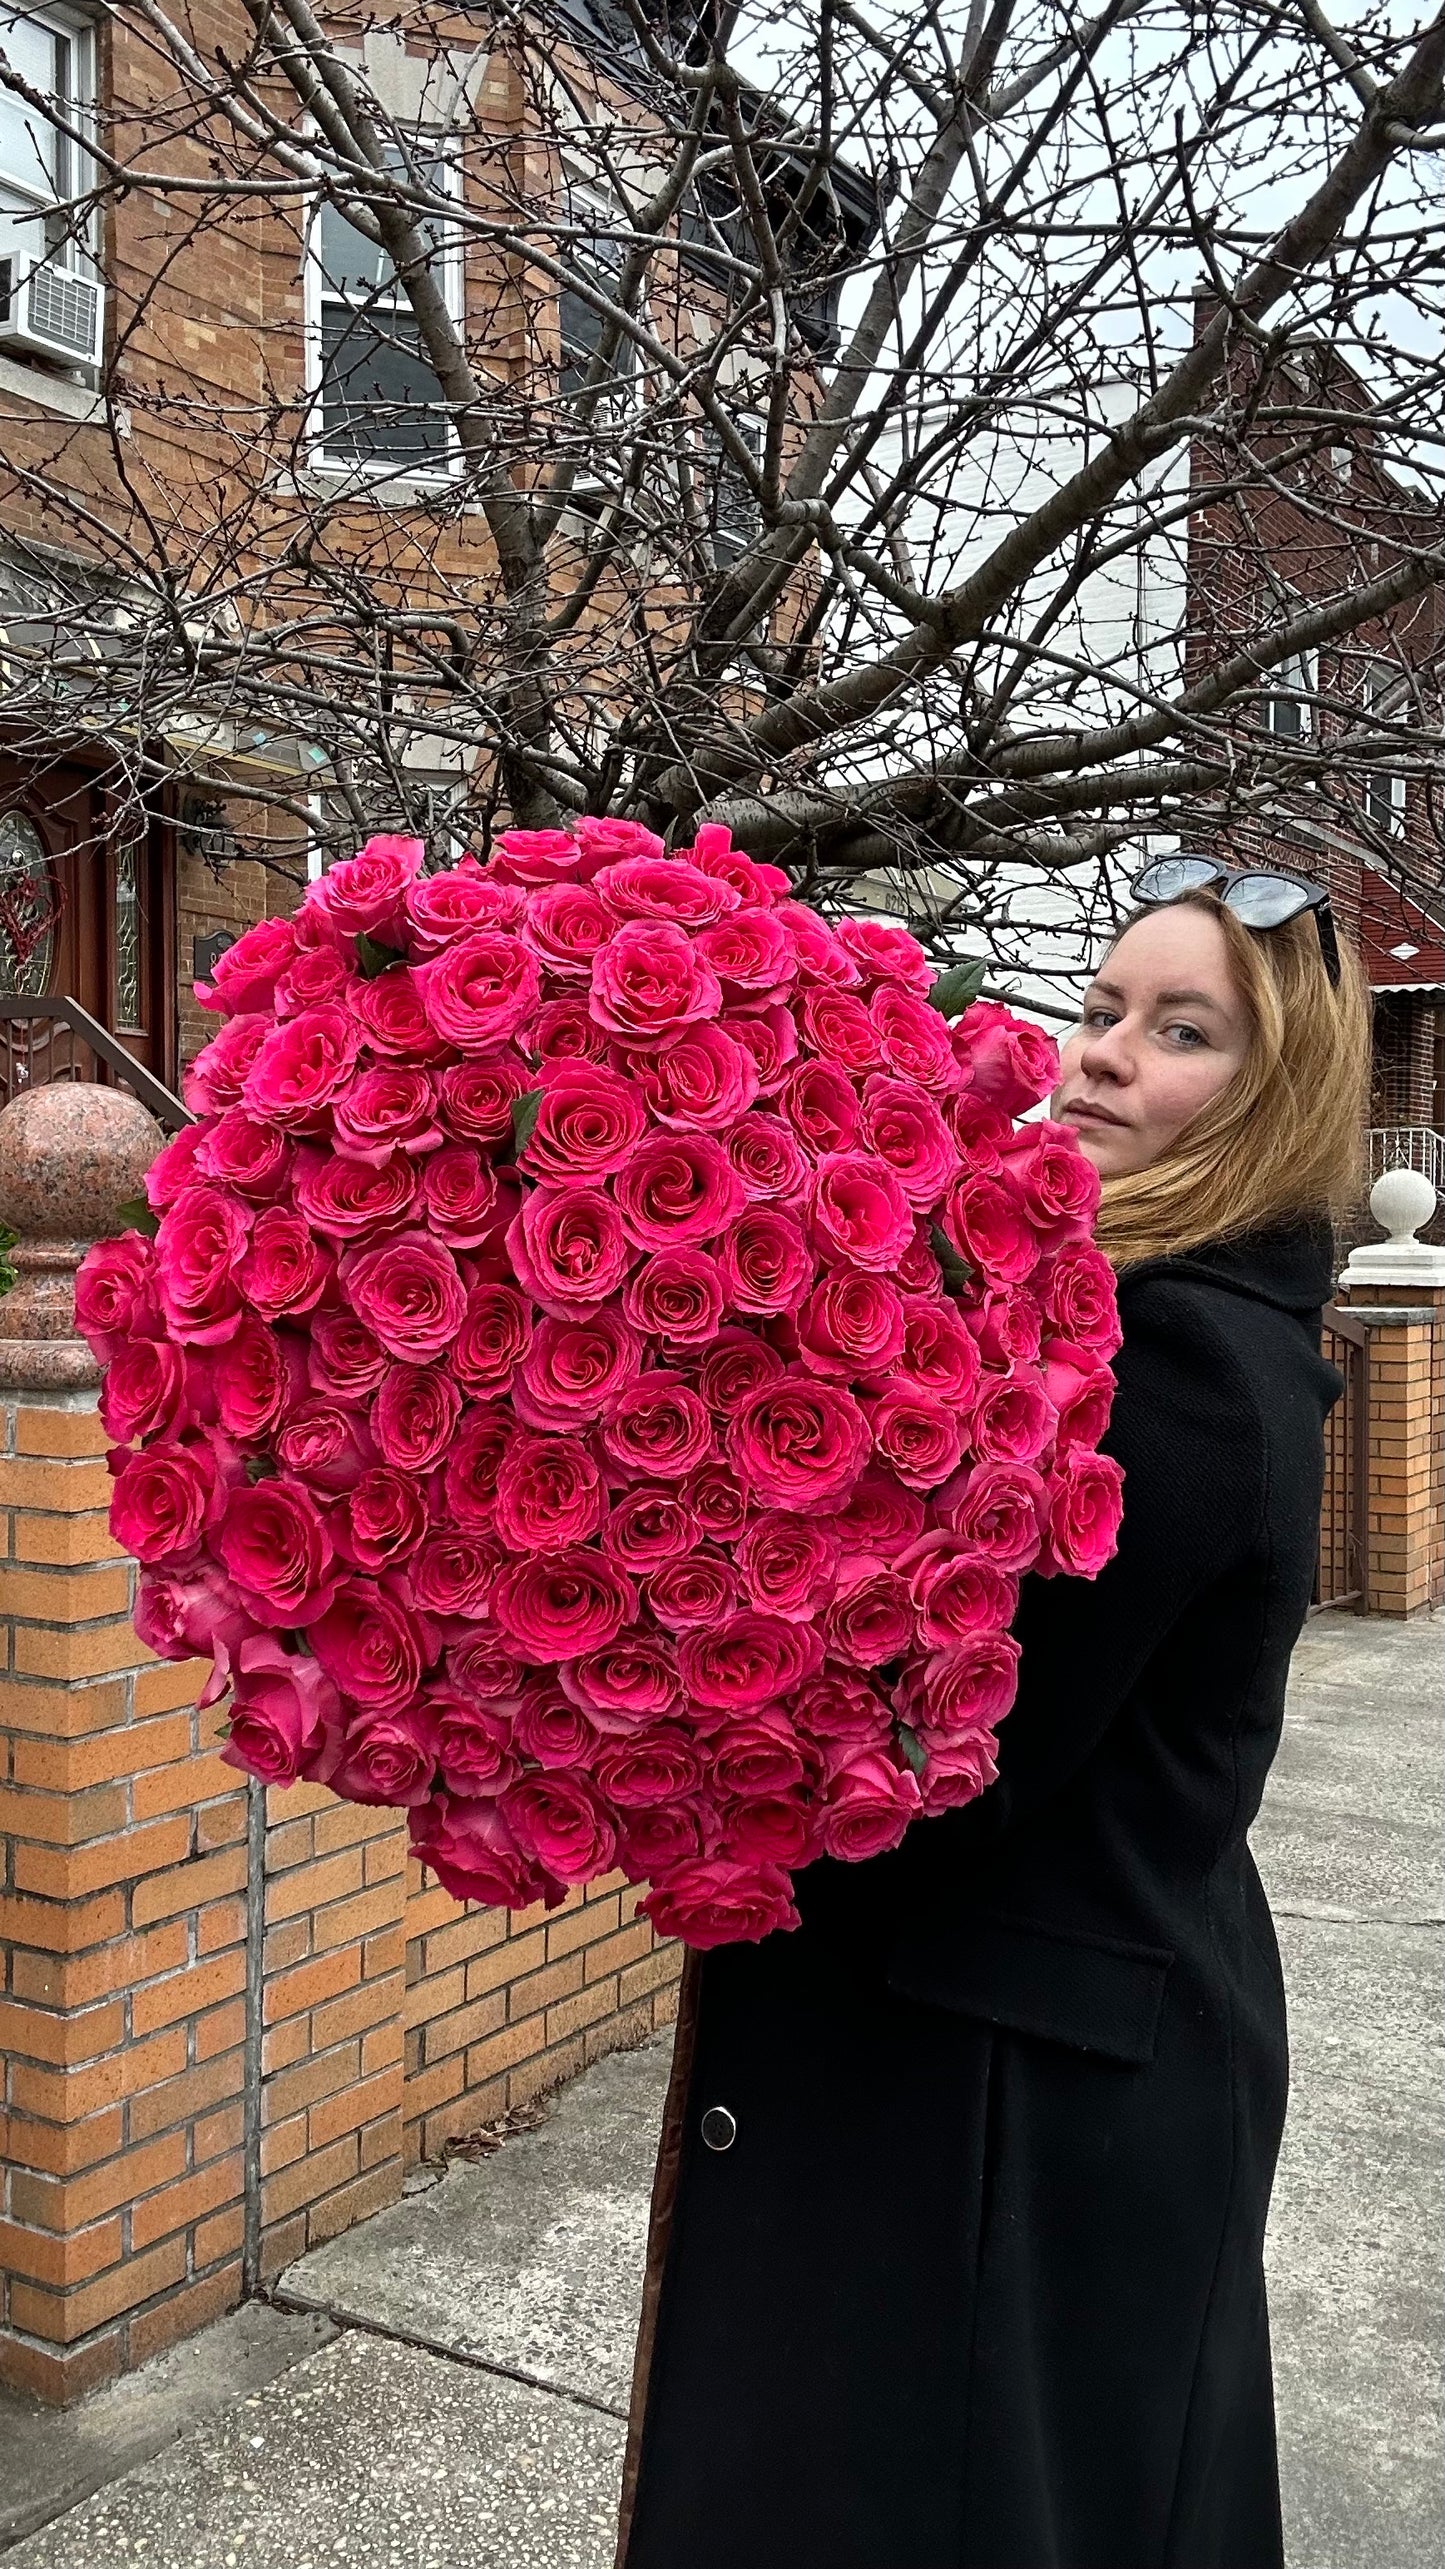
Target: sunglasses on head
1259,900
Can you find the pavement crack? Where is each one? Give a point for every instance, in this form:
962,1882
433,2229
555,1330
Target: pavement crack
1317,1913
421,2338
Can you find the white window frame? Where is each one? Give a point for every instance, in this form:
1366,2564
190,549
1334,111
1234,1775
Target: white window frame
339,462
622,400
1389,815
1297,683
25,200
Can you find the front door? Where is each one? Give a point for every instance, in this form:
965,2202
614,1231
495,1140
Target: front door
83,913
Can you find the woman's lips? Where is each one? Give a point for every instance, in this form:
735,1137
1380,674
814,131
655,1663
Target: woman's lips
1082,1113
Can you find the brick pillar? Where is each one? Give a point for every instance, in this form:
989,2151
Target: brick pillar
1398,1287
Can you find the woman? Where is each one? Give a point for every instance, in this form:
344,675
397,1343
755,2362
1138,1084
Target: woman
956,2258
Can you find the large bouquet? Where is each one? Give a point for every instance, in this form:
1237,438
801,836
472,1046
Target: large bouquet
603,1360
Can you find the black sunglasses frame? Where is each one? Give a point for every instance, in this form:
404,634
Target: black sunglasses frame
1223,878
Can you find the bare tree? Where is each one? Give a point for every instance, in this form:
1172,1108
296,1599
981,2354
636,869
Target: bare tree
956,444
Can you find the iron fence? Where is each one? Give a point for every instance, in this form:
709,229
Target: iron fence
44,1040
1342,1576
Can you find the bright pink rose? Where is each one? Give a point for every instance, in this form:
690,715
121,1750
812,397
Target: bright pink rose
282,1701
1085,1508
910,1136
713,1902
851,1324
408,1292
366,895
467,1844
559,1605
955,1595
760,1753
568,1248
563,1031
302,1068
1007,1326
350,1200
822,955
870,1621
736,1365
559,1822
548,1727
771,1828
144,1392
1081,1299
452,1573
371,1645
549,1493
474,1744
1006,1062
799,1443
879,1517
867,1806
343,1358
381,1755
392,1017
237,1152
917,1271
574,1370
609,842
480,1666
381,1520
770,1038
285,1271
178,1166
459,1192
180,1617
649,1524
820,1105
440,908
1057,1186
764,1262
692,1594
939,1353
745,1661
630,1683
475,1098
493,1339
650,980
964,1689
859,1211
243,979
664,887
314,975
838,1026
414,1416
481,991
200,1244
565,925
472,1466
712,849
534,857
587,1124
324,1445
651,1841
217,1077
389,1109
883,953
842,1712
676,1190
276,1547
718,1500
657,1764
1013,1421
251,1379
913,1038
767,1157
789,1566
676,1296
917,1436
999,1510
1081,1389
657,1428
987,1224
700,1080
751,953
958,1772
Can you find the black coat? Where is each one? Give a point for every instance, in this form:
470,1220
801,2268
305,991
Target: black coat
978,2284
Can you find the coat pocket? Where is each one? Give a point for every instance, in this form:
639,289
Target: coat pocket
1093,1992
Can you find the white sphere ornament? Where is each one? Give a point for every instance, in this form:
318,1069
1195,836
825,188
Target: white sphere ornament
1402,1202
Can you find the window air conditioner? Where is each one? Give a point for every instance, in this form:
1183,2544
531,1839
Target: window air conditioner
46,308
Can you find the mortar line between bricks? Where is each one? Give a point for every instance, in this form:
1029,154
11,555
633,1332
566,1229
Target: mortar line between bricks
341,2317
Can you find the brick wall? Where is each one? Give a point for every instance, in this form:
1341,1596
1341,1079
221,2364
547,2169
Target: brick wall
1407,1444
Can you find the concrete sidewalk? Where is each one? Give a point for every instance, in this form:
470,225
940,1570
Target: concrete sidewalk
445,2386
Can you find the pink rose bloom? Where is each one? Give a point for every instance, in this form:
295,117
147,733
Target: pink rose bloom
243,979
371,1645
837,1025
907,1132
1081,1299
713,850
736,1365
627,1685
549,1493
217,1077
917,1271
559,1822
574,1370
988,1225
999,1510
366,894
275,1545
1006,1062
550,1728
379,1521
327,1447
252,1378
560,1605
1006,1326
819,1103
587,1124
964,1689
474,1745
383,1757
609,842
821,954
459,1192
452,1573
883,953
851,1324
178,1166
562,1030
677,1189
475,1098
114,1293
761,1753
799,1443
676,1296
771,1828
751,953
564,926
859,1211
658,1764
343,1359
467,1844
658,1429
482,991
414,1416
913,1039
958,1773
183,1617
1085,1509
867,1806
1013,1421
391,1016
237,1151
568,1248
769,1037
493,1339
408,1292
650,980
767,1158
650,1841
720,1504
350,1200
1081,1390
714,1902
648,1524
144,1392
481,1664
199,1246
789,1566
746,1661
880,1518
440,908
700,1081
285,1271
282,1702
939,1353
955,1595
843,1712
664,887
302,1068
534,857
1057,1186
472,1466
392,1108
764,1262
692,1594
870,1621
315,974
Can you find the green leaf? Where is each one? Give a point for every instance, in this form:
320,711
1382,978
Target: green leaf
957,988
135,1215
525,1111
375,959
957,1273
259,1467
912,1747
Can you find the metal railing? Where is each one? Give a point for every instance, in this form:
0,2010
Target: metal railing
44,1040
1342,1576
1407,1146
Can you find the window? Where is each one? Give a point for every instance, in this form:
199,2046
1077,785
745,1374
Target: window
597,255
1289,714
1385,786
729,503
42,170
379,406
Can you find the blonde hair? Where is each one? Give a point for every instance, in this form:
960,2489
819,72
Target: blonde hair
1283,1141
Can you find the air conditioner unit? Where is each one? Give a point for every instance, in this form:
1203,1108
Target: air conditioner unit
46,308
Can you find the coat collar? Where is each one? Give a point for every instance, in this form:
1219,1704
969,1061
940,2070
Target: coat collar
1292,1268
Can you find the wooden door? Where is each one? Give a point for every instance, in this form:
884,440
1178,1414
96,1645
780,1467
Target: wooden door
84,910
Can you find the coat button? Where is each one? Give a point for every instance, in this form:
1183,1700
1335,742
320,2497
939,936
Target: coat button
719,2128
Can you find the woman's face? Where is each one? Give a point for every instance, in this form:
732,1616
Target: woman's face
1163,1030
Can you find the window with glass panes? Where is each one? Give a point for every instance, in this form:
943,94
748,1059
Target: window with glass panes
595,255
379,404
1385,786
43,168
1289,712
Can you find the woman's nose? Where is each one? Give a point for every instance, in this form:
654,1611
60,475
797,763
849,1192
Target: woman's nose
1108,1053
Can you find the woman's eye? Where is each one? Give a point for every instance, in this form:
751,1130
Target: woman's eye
1189,1038
1099,1017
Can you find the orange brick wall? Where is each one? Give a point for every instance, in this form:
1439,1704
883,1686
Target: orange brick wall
1407,1449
